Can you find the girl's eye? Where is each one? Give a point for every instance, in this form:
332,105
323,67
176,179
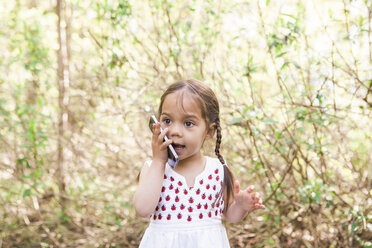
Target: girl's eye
188,124
167,121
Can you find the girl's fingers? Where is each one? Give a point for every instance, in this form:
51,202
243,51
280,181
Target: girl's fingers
155,132
158,136
252,198
250,189
256,196
156,128
162,135
259,206
165,144
237,186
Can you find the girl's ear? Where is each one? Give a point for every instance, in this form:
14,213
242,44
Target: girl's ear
211,130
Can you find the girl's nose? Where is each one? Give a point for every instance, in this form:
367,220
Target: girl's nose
175,130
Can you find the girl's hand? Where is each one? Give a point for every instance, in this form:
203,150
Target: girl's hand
246,199
159,146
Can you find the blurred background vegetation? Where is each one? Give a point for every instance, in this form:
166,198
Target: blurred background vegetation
80,78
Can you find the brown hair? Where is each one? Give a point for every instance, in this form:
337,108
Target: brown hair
211,113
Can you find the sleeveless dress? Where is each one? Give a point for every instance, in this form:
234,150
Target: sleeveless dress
189,217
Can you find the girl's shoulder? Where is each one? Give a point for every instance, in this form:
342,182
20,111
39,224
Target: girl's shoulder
214,165
213,161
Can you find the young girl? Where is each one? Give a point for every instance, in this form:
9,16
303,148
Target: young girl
186,203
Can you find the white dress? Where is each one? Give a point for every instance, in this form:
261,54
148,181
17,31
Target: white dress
189,217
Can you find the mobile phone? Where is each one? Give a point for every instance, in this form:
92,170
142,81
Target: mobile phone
172,155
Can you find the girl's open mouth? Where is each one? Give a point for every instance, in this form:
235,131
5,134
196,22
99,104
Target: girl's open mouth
178,148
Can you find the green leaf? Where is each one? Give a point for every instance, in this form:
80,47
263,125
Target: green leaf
278,135
26,193
125,205
284,65
291,16
246,109
369,83
283,149
107,208
269,121
236,120
281,54
361,20
117,222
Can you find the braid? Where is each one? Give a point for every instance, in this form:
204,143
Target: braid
218,142
228,176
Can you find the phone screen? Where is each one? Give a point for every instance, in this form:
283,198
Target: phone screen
172,155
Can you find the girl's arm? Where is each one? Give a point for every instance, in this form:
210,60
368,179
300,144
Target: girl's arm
149,187
147,194
244,201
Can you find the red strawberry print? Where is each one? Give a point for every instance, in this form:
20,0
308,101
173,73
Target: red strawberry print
185,192
206,206
179,183
173,207
160,199
172,179
169,217
198,191
165,176
199,206
203,196
189,218
210,197
163,208
217,178
200,216
216,196
171,187
179,216
208,186
201,182
210,177
218,204
160,217
163,189
209,214
177,191
216,171
155,216
182,207
157,208
191,200
167,198
190,209
212,206
216,213
214,187
177,199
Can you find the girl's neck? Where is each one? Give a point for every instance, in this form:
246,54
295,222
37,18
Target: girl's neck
194,164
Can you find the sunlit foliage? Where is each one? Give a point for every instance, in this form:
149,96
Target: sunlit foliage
294,80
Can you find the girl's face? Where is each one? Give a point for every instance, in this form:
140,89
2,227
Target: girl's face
187,127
